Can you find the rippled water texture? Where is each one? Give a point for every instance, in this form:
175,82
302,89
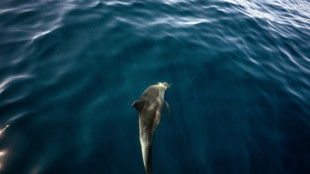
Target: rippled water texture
70,70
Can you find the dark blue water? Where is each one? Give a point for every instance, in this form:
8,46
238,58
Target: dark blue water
70,70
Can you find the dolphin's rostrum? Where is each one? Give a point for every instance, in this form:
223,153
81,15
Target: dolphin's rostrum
150,107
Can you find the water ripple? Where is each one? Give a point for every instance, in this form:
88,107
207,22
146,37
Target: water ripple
5,83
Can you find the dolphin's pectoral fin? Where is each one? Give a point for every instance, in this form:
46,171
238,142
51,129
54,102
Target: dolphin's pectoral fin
168,107
138,104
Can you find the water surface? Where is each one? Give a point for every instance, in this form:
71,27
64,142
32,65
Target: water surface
70,70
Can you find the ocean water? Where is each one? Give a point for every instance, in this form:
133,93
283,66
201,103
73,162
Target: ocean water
70,70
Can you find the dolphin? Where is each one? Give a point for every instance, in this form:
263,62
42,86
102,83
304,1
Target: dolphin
150,107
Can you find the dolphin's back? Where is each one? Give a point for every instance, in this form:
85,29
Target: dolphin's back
151,91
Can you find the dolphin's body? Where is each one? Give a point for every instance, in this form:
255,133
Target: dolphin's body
150,106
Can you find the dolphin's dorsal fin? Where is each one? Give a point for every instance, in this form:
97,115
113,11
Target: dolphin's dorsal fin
138,104
168,107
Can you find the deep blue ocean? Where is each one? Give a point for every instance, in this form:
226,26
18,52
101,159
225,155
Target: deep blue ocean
240,94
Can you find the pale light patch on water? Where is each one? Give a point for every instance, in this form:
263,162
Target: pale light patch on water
260,9
2,152
301,6
253,9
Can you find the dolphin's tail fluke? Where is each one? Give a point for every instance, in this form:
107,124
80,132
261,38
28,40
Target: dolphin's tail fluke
148,160
146,147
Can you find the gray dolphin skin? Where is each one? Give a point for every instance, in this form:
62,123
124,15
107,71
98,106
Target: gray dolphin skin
150,107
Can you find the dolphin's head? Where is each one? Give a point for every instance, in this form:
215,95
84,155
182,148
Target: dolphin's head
164,84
